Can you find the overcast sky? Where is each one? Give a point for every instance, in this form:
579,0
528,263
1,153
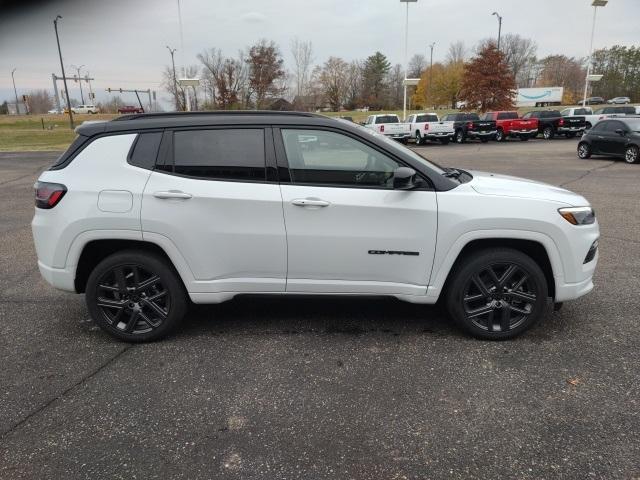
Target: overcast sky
122,42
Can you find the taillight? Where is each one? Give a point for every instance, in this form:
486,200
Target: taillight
561,122
426,126
470,125
48,195
382,128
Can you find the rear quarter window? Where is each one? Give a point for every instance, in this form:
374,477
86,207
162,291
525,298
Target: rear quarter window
145,150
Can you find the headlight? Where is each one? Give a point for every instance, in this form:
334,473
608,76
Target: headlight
578,215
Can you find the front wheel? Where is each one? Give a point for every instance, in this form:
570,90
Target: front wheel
632,155
584,150
497,294
135,296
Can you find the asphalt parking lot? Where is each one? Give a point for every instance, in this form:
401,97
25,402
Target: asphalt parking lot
366,388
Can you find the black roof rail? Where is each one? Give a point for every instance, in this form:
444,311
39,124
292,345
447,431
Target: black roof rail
135,116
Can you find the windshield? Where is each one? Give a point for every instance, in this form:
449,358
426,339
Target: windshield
387,119
396,147
634,125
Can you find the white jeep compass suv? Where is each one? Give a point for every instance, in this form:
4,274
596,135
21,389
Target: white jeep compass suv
146,212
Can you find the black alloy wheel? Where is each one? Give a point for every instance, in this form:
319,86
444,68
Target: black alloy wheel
632,155
135,296
498,294
547,133
584,150
460,138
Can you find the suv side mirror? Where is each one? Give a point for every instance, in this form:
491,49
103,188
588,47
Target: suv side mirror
404,178
621,132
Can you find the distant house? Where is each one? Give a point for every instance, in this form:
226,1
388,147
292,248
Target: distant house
311,103
281,105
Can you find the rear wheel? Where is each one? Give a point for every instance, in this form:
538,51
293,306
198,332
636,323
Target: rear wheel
418,138
584,150
500,135
135,296
460,138
548,133
497,294
632,155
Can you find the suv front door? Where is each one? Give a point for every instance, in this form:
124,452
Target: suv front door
212,201
348,230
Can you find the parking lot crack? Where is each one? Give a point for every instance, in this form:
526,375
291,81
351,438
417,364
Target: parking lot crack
45,405
587,173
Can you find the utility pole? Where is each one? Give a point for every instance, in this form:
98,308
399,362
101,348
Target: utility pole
406,49
15,91
64,77
175,80
77,69
499,26
595,5
430,70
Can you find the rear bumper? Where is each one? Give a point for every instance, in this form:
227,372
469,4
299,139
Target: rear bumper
481,134
571,129
60,278
438,134
397,136
516,133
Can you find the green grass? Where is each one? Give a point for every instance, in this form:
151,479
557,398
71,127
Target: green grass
25,133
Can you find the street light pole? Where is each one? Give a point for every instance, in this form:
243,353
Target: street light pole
430,70
499,26
77,69
175,80
595,5
64,76
15,91
406,49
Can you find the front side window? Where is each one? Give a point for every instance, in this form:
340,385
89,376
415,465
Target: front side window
222,154
327,158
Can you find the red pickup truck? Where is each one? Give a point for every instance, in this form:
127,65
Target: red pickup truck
509,124
130,109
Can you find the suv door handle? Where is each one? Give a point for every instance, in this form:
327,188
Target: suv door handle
309,202
172,194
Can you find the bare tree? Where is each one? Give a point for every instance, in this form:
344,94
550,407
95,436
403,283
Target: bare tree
227,77
563,71
39,101
457,52
519,52
265,71
354,84
302,58
417,65
334,78
176,91
395,78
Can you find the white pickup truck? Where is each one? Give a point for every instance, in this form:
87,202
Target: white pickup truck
591,117
390,126
427,126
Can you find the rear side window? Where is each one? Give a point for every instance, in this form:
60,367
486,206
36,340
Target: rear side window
222,154
387,119
506,116
426,118
145,150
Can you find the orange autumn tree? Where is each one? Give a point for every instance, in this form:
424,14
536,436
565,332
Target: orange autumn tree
487,83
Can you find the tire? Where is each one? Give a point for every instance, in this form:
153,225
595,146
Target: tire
632,154
460,137
138,290
548,133
584,150
500,135
418,138
498,305
445,141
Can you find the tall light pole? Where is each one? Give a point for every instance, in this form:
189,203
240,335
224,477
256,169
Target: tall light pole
406,49
15,91
175,80
499,26
64,76
430,70
77,69
595,5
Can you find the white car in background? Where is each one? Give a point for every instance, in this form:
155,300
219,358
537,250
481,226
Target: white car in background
389,125
86,109
427,126
590,118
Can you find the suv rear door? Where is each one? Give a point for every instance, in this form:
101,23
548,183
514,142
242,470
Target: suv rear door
348,230
212,199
